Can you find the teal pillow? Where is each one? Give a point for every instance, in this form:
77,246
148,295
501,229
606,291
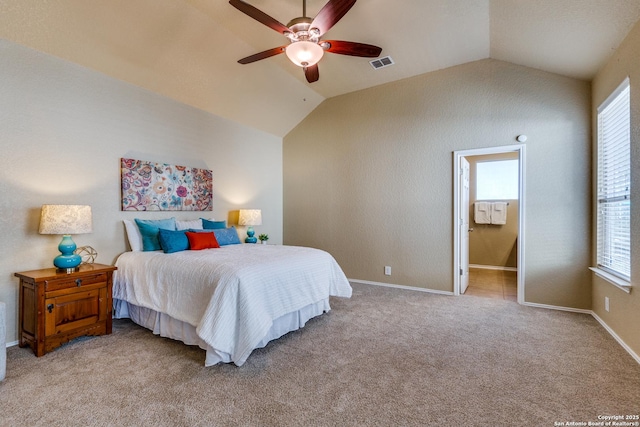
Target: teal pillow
213,225
149,230
173,241
227,236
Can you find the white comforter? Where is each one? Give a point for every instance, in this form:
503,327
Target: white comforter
232,294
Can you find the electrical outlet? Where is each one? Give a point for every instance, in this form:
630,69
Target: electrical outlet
387,270
606,303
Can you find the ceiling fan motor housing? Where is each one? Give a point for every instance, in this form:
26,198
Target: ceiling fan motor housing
300,30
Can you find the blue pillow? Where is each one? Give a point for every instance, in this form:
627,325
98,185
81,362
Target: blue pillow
149,230
227,236
173,241
213,225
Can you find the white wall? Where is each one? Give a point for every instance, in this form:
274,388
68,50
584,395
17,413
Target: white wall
368,175
63,130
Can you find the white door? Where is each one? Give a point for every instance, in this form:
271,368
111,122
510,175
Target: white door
463,220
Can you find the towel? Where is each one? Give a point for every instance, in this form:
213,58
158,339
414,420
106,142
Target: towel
482,213
499,213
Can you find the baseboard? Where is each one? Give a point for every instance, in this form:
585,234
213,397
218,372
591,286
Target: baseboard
409,288
616,337
12,343
557,307
492,267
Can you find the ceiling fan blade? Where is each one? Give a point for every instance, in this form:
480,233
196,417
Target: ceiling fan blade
262,55
351,48
331,13
259,16
312,73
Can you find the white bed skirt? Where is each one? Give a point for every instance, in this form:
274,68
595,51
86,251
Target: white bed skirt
168,327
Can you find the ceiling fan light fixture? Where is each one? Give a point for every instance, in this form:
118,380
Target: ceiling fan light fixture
305,49
304,53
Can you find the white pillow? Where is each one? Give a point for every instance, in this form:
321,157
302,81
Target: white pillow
133,235
195,224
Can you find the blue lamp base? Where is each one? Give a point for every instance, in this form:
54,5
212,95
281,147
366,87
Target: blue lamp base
67,260
250,236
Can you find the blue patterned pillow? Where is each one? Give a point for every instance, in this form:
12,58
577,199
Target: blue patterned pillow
227,236
213,225
149,230
173,241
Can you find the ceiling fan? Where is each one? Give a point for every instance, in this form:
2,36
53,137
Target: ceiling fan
306,48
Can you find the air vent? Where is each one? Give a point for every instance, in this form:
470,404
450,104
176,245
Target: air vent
381,62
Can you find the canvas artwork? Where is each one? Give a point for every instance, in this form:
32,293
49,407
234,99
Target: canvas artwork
148,186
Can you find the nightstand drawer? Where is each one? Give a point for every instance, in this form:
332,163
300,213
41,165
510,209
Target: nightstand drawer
69,282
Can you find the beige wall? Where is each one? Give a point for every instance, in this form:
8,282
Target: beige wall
624,314
64,129
368,175
491,244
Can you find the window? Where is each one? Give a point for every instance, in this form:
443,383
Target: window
614,184
497,180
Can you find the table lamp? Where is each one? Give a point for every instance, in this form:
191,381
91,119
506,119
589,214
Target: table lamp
250,217
66,220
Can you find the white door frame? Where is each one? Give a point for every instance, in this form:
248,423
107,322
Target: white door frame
520,149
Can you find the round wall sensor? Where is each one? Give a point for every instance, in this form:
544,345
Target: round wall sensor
521,138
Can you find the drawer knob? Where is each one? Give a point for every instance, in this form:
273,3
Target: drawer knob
78,282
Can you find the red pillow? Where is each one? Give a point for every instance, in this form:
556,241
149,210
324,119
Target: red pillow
198,241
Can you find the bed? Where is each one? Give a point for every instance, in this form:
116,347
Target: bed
229,300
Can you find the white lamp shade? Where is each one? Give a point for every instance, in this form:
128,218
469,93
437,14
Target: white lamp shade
250,217
304,53
65,219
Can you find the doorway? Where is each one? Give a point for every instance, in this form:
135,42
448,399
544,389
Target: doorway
462,212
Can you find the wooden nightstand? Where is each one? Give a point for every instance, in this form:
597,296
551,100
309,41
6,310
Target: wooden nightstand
58,307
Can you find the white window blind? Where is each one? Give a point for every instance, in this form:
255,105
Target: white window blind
614,184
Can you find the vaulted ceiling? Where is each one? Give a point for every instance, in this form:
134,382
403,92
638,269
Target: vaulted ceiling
188,49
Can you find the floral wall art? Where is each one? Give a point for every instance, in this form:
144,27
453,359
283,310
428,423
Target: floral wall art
148,186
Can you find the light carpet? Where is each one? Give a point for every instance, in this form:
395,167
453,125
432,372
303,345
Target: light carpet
387,357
